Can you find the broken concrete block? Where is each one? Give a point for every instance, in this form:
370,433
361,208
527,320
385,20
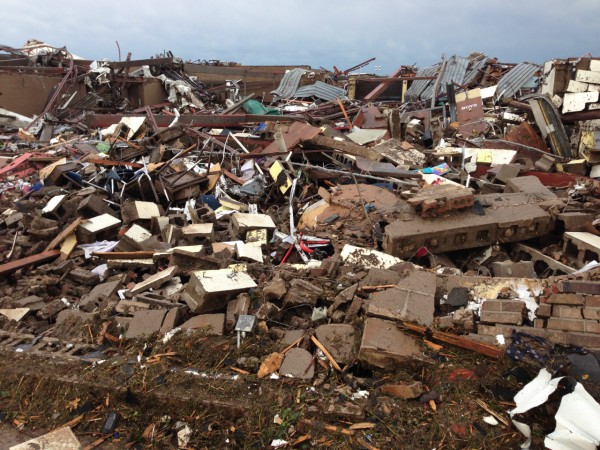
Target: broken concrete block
213,324
412,299
574,221
367,258
302,292
99,295
236,308
209,290
94,205
130,307
97,229
134,237
346,411
573,102
15,314
171,320
155,281
145,263
275,290
132,211
67,315
521,269
60,439
199,230
380,277
545,163
33,302
298,363
577,86
340,340
258,237
507,171
458,296
85,277
241,223
587,76
405,391
247,252
384,345
145,323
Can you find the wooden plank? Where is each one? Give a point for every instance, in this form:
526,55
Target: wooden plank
459,341
28,261
124,255
63,234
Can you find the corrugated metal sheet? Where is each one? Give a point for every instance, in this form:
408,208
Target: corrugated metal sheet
289,83
320,90
456,69
512,81
418,86
475,70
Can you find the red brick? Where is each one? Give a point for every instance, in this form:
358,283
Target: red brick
566,312
566,299
539,323
558,337
591,313
555,323
591,326
513,318
503,305
586,340
593,301
544,310
581,287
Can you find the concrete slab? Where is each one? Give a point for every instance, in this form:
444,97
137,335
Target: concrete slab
199,230
213,323
132,211
298,363
155,281
247,252
209,290
302,292
61,439
412,299
340,340
384,345
145,323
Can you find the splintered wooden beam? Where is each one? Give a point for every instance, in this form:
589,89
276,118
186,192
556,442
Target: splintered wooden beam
30,260
63,234
459,341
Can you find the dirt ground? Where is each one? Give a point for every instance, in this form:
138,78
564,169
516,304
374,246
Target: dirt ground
195,380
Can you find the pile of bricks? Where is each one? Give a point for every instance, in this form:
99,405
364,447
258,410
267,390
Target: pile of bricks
568,314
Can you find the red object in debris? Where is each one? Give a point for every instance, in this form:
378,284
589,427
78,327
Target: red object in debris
459,430
462,374
422,252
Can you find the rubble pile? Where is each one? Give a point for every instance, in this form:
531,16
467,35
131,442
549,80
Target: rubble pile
338,220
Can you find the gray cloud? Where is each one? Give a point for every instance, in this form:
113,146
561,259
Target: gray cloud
318,33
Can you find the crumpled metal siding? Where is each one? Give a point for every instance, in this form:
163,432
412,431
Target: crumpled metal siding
418,86
512,81
475,70
289,83
456,69
320,90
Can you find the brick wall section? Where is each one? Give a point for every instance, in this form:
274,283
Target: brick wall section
569,314
566,299
503,311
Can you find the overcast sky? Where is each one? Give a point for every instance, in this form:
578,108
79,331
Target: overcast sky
313,32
